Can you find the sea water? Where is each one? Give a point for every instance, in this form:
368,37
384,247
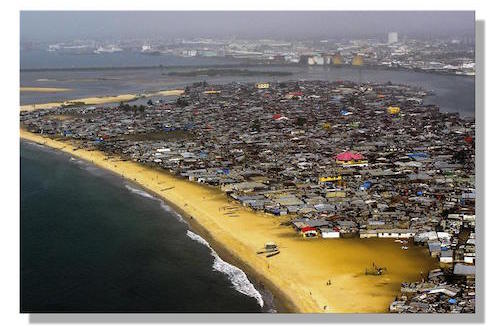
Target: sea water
91,242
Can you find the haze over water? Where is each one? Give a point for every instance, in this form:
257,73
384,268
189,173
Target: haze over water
451,93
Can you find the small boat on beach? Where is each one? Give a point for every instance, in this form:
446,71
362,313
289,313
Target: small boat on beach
271,249
272,254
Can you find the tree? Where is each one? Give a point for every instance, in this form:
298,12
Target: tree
124,106
301,121
255,125
181,101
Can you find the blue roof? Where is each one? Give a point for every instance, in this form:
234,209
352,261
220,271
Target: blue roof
418,155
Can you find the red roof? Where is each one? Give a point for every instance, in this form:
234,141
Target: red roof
305,229
277,116
347,156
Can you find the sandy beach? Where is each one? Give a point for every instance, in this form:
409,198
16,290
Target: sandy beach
43,89
96,100
298,275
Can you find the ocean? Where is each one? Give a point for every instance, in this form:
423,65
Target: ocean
92,242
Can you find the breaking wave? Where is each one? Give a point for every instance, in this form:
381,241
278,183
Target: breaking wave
237,277
163,205
169,210
78,161
140,192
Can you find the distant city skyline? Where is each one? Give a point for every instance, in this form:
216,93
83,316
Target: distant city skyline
51,26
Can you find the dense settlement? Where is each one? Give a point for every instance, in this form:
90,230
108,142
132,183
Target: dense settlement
341,159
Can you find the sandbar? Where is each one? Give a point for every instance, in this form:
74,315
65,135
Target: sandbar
96,100
44,89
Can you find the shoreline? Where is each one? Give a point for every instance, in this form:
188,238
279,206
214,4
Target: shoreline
36,89
97,100
280,300
246,64
294,274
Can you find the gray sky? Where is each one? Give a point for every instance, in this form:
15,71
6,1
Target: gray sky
60,25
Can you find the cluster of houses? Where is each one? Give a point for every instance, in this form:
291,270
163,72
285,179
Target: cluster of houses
340,159
443,291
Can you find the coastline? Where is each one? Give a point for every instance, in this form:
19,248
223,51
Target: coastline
281,301
96,100
43,89
291,276
240,64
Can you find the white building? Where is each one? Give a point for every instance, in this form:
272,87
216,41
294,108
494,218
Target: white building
392,38
329,233
387,233
469,258
446,256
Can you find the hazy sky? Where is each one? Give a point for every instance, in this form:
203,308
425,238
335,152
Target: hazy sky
53,25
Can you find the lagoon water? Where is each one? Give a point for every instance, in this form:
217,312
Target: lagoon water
452,93
91,242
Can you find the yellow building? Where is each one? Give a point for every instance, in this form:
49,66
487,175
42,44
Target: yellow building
357,60
336,194
330,178
393,110
337,59
262,85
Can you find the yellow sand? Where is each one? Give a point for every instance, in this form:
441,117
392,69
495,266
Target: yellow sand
43,89
298,275
173,92
99,100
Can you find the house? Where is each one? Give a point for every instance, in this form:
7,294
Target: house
364,233
434,248
348,159
466,270
469,258
446,256
330,233
395,233
309,232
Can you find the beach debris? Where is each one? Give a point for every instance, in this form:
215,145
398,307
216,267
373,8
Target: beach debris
375,270
272,254
271,246
270,249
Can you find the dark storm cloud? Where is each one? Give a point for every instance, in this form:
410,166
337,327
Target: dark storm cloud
327,24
